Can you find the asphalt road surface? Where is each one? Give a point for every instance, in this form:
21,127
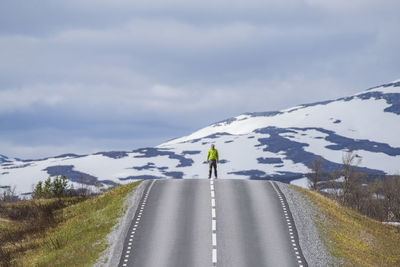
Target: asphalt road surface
212,223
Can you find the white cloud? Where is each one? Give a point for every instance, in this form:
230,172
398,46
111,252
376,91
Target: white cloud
24,98
354,6
186,63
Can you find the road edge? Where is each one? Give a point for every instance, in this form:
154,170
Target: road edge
304,216
110,257
292,228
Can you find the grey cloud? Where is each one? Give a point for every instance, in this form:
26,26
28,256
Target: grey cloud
136,73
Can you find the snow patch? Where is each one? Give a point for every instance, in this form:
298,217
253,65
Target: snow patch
302,182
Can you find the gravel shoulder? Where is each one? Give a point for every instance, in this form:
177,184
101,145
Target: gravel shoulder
304,214
111,256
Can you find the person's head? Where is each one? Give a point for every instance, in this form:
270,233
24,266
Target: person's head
212,146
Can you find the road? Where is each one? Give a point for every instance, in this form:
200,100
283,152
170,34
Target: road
212,223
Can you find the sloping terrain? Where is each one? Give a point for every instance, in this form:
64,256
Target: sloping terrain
351,237
265,145
62,231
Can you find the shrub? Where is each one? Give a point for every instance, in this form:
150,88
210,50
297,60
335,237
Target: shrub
315,176
379,199
56,188
8,194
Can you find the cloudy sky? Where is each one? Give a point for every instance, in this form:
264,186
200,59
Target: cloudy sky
83,76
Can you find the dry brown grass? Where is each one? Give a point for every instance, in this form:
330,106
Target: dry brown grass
65,232
24,223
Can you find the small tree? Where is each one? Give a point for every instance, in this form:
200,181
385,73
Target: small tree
349,175
373,205
391,194
56,188
71,190
8,194
59,186
47,192
333,184
38,191
315,177
359,191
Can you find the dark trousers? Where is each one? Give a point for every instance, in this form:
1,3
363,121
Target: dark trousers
212,163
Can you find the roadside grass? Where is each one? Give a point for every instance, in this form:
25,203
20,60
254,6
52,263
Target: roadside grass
23,222
352,237
74,236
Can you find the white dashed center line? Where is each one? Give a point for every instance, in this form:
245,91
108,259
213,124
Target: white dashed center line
213,225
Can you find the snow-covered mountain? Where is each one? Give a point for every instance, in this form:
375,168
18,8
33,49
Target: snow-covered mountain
3,158
263,145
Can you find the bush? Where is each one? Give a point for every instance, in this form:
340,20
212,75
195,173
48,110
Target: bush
8,194
379,199
56,188
391,197
315,176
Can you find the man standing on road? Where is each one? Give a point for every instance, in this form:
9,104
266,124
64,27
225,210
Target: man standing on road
212,159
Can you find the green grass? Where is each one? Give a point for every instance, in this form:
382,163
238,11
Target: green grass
355,239
78,237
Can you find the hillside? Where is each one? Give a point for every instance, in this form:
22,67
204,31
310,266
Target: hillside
353,239
3,158
59,232
263,145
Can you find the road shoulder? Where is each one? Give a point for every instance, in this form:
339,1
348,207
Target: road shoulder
111,256
304,215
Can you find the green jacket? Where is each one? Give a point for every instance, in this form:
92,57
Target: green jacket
212,155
